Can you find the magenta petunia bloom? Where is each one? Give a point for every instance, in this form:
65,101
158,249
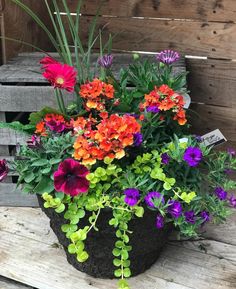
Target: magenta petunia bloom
168,56
159,222
174,208
3,170
56,125
131,196
47,60
190,217
220,193
105,61
231,152
150,198
61,76
70,178
192,156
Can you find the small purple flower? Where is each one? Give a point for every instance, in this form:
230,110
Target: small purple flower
34,142
168,56
165,159
138,139
152,109
150,198
231,152
198,138
174,208
220,193
106,61
232,201
159,222
228,171
205,217
192,156
131,196
3,169
190,217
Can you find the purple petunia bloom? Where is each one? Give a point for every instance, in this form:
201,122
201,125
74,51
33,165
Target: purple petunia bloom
70,178
152,109
232,201
165,158
3,169
190,217
220,193
174,208
150,198
231,152
229,171
106,61
138,139
198,138
131,196
192,156
168,56
34,142
205,216
159,222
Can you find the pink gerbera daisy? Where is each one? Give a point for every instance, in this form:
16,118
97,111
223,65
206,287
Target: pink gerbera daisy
47,60
61,76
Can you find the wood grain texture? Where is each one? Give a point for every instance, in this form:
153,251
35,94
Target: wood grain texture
189,37
208,117
18,25
13,197
212,81
179,267
10,284
211,10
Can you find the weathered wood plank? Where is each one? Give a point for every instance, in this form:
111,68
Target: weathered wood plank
13,197
172,270
211,10
10,284
208,117
189,37
18,25
27,69
11,137
212,81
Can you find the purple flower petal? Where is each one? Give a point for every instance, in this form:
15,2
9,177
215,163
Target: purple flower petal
192,156
168,56
131,196
3,170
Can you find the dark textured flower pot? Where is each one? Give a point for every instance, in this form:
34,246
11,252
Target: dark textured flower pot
146,241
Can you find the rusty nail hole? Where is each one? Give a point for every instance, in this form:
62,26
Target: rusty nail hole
213,49
214,11
209,112
214,32
210,85
210,97
212,65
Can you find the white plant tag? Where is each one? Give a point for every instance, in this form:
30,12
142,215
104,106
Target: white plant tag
213,138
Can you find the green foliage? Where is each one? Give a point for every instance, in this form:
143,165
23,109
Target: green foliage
17,126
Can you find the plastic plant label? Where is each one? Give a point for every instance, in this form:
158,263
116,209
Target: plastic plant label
213,138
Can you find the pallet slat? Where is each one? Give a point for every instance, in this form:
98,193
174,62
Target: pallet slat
13,197
210,10
210,39
212,81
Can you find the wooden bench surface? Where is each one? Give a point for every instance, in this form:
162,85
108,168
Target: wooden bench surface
30,254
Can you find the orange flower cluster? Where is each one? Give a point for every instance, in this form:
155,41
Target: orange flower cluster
96,93
164,99
109,138
53,122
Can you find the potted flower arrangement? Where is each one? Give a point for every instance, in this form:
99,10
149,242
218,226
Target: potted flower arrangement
118,169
